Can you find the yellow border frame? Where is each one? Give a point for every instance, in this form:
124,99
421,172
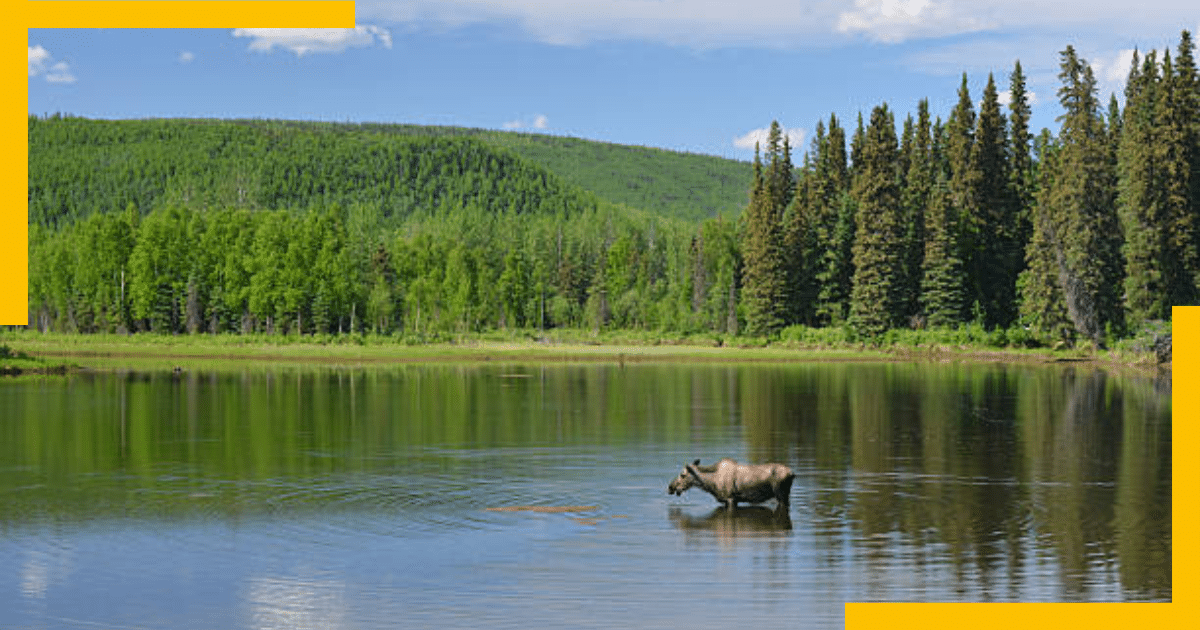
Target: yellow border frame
228,14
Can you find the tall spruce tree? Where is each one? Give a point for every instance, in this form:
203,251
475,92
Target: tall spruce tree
834,219
964,183
1140,200
997,253
1188,101
943,294
1021,182
875,298
1179,150
1087,248
800,244
765,290
1042,306
915,197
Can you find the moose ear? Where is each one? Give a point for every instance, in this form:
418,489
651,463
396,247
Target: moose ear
692,471
696,463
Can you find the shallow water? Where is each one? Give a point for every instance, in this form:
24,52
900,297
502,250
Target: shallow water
365,498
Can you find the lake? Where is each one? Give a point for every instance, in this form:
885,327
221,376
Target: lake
534,496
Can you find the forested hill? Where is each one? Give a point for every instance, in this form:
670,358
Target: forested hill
683,185
79,166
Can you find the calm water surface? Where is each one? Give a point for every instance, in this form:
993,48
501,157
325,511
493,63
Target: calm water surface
350,498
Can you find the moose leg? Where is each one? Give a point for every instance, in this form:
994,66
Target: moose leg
783,492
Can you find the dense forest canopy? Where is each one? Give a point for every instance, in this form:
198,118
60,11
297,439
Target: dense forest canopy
893,222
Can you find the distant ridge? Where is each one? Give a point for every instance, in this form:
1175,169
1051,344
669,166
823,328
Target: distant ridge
171,159
675,184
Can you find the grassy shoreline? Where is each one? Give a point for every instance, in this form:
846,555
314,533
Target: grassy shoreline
60,353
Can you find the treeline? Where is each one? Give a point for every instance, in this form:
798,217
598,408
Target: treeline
333,270
1086,234
210,226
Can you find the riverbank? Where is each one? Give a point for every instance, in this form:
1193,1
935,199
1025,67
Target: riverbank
59,353
20,363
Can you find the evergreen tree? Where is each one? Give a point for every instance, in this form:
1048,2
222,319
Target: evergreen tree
780,178
964,186
856,148
997,252
834,227
1021,180
764,282
1179,152
1042,306
1087,247
1140,201
875,302
916,196
800,244
943,295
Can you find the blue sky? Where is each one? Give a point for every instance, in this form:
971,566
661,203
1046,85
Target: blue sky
704,76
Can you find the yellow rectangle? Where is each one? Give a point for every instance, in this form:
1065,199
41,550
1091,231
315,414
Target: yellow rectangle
190,14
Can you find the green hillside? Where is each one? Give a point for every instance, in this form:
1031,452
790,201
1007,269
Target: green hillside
78,167
687,186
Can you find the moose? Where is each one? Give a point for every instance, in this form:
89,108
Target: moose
730,482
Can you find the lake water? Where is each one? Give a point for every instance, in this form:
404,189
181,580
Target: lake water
366,498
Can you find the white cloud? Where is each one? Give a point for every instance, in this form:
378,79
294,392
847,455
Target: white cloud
38,58
186,57
776,23
748,140
1115,68
893,21
1006,97
40,65
303,41
1112,71
60,73
695,23
539,122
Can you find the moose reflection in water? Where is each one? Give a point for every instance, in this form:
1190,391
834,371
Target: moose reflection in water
730,482
733,522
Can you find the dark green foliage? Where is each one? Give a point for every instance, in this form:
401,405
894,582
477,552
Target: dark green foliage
800,244
1081,204
964,186
833,228
915,197
1141,201
764,278
1022,185
943,292
997,253
878,253
1179,155
1042,306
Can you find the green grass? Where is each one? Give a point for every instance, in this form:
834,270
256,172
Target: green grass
16,363
148,351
